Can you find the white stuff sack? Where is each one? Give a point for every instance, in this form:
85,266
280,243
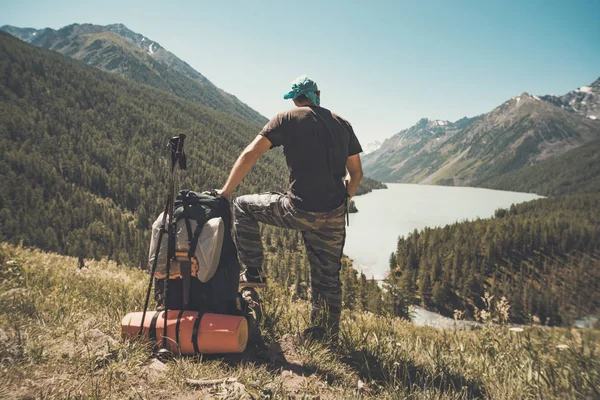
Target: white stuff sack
208,250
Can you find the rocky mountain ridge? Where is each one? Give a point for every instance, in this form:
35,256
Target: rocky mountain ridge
584,101
117,49
521,132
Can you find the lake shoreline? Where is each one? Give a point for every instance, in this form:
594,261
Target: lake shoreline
385,215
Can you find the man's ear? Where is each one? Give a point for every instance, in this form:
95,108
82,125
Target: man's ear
318,93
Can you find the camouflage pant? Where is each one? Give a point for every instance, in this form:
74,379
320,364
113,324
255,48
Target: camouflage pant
323,233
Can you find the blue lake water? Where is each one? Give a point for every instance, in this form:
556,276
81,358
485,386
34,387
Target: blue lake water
386,214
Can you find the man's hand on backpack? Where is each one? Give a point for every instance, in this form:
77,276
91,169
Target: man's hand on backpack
223,193
219,192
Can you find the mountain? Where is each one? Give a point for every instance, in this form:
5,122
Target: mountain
118,50
584,101
405,154
83,167
371,147
519,133
576,171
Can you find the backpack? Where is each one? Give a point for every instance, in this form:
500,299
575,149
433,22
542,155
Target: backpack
204,271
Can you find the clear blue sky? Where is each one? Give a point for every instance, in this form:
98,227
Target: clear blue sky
381,64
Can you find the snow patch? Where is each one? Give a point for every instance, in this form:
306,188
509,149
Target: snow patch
441,123
150,50
585,89
583,102
518,100
34,33
143,39
592,117
535,97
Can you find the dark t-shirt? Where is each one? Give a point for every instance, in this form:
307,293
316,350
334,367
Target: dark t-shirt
316,144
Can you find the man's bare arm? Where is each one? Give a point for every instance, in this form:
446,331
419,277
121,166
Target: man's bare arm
244,164
355,172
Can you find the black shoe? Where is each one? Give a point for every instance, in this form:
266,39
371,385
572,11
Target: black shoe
250,281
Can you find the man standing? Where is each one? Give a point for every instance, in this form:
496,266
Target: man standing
319,148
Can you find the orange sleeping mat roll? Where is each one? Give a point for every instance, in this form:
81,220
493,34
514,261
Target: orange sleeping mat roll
190,332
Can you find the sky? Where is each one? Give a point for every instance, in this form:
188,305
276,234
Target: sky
382,65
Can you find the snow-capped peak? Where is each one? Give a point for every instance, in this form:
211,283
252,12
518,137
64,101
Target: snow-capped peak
585,89
371,147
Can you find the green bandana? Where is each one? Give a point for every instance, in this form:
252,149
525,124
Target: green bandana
304,86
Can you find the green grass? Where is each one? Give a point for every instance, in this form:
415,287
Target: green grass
60,338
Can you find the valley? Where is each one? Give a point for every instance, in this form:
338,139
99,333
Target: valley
85,114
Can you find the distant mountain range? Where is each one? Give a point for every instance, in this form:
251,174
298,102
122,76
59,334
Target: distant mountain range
371,146
519,133
118,50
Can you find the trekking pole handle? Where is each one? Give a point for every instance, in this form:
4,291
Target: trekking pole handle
177,152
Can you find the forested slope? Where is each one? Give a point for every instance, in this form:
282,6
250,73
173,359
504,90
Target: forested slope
543,256
84,165
577,171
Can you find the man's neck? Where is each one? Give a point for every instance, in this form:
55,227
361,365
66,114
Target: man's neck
306,104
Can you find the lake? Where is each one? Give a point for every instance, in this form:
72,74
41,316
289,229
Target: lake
384,215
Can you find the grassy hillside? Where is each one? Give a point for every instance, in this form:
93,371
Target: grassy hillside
577,171
59,330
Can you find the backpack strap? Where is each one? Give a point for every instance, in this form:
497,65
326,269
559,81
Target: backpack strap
347,201
185,268
195,331
196,236
152,332
177,329
186,217
192,236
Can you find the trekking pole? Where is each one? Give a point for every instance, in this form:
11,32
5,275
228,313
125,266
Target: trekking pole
163,230
177,158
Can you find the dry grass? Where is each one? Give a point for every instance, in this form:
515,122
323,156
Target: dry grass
59,338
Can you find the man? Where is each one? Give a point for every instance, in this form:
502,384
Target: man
319,148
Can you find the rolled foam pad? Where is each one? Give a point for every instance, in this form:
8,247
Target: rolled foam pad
216,333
